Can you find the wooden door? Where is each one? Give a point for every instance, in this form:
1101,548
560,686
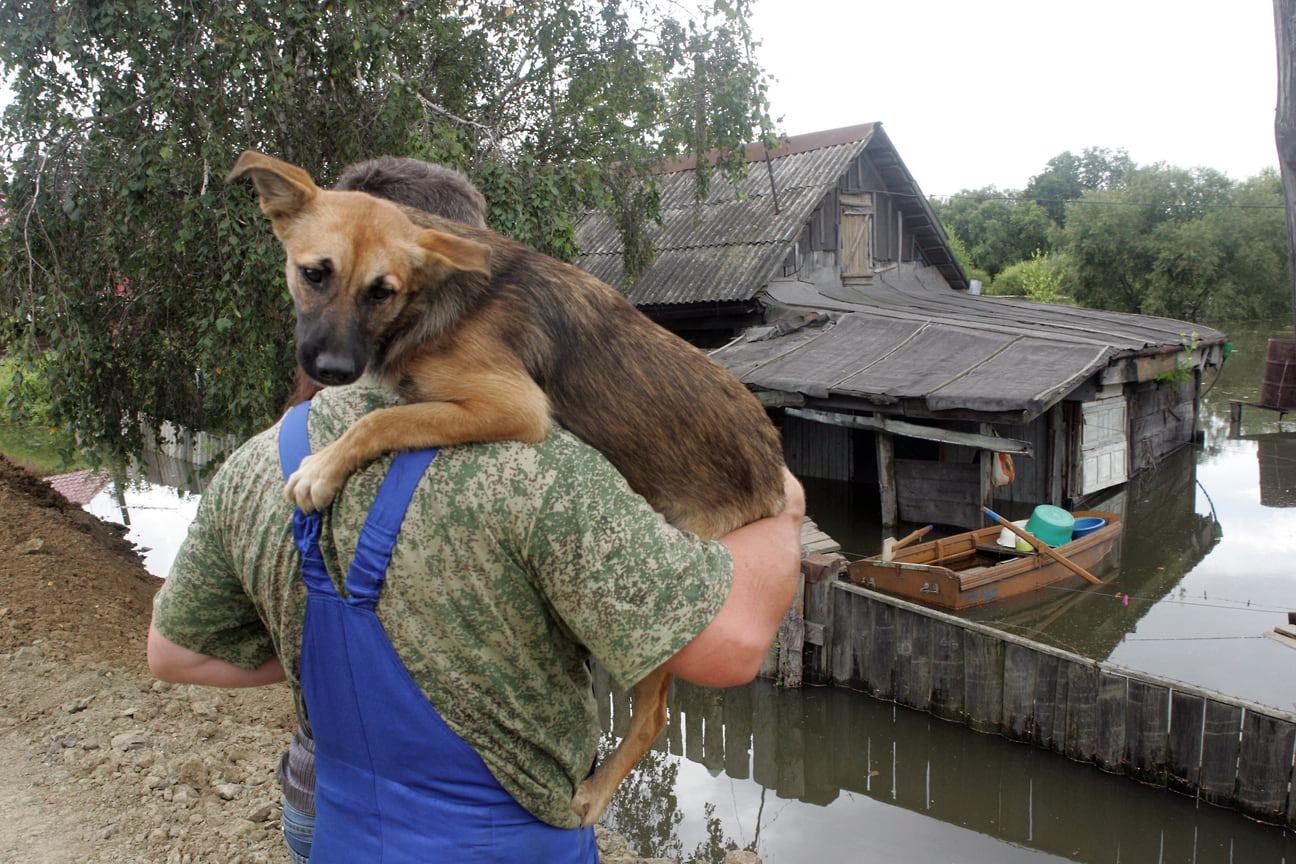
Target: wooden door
1104,444
856,235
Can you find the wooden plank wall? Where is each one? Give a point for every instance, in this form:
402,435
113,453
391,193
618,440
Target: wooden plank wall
946,493
1228,752
817,449
1162,419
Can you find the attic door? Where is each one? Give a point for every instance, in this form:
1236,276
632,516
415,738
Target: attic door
856,235
1104,445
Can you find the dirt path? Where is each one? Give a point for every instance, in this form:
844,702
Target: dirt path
98,761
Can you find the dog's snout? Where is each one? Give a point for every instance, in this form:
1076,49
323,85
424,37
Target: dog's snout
330,355
332,369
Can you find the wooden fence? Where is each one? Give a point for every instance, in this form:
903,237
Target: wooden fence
829,746
1227,752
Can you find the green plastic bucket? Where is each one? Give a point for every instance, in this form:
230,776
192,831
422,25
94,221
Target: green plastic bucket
1053,525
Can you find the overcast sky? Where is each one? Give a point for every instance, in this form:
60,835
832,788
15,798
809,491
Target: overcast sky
976,94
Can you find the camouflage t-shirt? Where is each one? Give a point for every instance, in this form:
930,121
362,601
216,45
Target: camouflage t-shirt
514,564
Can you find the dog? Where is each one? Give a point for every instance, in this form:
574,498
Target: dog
489,341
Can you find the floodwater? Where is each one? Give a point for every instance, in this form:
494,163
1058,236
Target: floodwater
825,775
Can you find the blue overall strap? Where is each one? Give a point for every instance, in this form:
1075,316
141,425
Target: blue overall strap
294,446
373,550
378,537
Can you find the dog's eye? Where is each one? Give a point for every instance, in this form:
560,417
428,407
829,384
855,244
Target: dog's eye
313,275
379,292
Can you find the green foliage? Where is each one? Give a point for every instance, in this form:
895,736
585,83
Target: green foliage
150,290
1159,240
25,434
964,259
1068,176
1184,244
995,229
1185,366
1038,279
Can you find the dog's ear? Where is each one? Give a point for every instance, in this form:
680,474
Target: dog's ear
284,188
458,252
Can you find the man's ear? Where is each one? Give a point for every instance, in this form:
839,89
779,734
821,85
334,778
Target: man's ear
284,189
458,253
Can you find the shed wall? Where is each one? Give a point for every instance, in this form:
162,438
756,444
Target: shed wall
1162,419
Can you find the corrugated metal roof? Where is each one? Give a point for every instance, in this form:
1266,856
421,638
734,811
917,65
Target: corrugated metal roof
727,247
904,340
80,487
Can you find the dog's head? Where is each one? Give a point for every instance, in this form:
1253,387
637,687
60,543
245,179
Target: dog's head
356,265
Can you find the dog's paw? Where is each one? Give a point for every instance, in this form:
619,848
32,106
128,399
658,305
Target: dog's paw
312,487
589,802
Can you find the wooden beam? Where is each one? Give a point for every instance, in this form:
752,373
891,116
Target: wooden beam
913,430
779,399
887,481
1057,434
987,469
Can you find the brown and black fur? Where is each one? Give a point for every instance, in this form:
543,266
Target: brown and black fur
490,340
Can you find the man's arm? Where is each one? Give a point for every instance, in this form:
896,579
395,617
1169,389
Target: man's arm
767,564
178,665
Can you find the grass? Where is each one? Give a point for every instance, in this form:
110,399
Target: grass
31,444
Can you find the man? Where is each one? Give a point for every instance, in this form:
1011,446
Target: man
513,565
442,192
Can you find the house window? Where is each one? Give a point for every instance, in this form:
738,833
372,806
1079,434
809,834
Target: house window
856,234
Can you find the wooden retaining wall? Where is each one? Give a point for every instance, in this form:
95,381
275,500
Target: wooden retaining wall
1227,752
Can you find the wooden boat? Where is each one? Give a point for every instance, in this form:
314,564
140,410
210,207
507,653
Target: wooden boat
972,569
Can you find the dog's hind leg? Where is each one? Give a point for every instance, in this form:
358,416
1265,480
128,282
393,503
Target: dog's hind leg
647,720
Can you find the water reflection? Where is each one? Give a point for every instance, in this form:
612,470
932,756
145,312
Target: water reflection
1165,538
156,497
1277,456
830,775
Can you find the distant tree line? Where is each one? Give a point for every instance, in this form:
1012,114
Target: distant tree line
1109,234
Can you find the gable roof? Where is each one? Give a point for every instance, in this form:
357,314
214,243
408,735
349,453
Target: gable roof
726,248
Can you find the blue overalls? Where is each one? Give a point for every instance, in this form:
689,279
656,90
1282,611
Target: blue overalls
394,784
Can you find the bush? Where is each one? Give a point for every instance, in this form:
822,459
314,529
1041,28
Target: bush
1038,279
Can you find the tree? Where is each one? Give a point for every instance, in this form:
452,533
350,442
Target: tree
1067,177
1179,243
147,287
1285,123
1038,279
996,229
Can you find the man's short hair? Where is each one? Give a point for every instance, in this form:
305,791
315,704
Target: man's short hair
423,185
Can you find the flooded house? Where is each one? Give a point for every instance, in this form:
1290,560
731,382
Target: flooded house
826,283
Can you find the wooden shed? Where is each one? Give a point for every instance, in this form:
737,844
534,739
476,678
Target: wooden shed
826,283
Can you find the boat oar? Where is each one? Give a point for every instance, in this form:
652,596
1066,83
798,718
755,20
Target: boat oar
890,544
1041,546
911,537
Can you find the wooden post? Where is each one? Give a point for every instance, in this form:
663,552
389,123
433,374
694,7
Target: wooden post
1285,121
791,640
887,481
1057,455
987,470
